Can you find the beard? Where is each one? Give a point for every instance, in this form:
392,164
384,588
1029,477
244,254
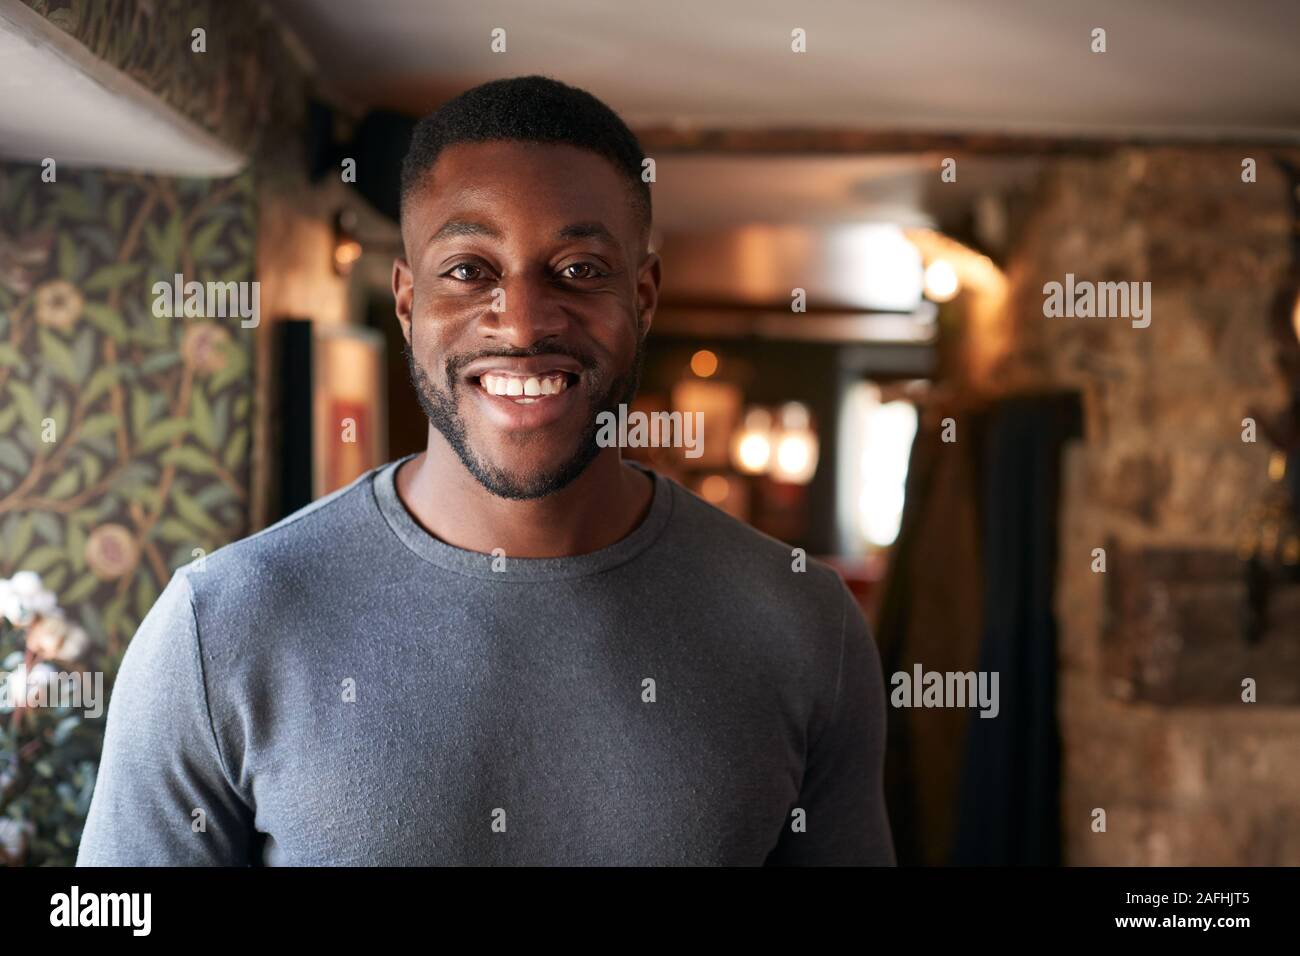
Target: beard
603,393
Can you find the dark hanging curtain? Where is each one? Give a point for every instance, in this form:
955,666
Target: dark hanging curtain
971,588
1008,810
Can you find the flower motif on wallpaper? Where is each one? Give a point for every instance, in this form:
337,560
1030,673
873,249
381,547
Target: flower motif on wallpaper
148,414
204,347
111,551
58,304
123,445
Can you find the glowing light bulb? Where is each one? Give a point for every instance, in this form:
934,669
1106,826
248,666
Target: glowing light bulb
704,363
752,450
940,281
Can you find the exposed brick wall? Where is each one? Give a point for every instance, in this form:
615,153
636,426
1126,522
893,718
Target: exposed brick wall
1192,779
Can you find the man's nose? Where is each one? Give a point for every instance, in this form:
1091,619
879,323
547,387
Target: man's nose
524,310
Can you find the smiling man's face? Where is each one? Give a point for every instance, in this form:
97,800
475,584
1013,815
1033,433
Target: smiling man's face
524,300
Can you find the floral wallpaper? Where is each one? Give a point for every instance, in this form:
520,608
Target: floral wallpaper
123,438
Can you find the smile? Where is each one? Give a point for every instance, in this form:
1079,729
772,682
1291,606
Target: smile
524,389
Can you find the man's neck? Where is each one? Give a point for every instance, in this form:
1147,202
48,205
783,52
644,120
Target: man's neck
598,508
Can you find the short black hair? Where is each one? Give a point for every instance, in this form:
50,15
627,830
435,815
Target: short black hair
533,109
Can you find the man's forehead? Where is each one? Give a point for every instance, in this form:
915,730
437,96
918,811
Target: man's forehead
495,183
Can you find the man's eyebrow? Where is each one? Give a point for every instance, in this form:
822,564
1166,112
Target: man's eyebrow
464,227
586,230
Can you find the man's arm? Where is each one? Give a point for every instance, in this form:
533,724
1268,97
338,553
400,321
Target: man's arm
161,762
843,786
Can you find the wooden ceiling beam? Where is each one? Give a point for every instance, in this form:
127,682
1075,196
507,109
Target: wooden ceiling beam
778,141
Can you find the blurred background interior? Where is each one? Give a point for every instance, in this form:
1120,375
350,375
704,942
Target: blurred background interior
855,242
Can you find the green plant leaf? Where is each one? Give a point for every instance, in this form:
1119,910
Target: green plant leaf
100,382
139,412
174,531
145,592
236,368
40,559
116,210
108,321
165,243
202,242
146,495
92,468
98,425
234,454
69,260
65,485
54,351
53,580
107,278
48,527
192,511
201,416
76,547
113,613
12,456
81,589
189,458
160,433
72,203
159,362
18,535
83,353
28,407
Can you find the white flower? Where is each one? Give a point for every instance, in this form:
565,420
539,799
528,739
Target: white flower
56,639
14,837
26,583
11,605
23,599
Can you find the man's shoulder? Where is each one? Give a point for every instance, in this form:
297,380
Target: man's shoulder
298,550
761,564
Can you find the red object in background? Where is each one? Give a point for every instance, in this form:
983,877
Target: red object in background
863,576
347,460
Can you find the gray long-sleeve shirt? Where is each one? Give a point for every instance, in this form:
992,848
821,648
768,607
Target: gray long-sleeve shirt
343,688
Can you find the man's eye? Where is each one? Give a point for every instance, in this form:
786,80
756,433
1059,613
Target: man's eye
465,271
580,270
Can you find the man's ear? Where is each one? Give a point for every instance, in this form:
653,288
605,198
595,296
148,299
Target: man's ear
403,295
647,292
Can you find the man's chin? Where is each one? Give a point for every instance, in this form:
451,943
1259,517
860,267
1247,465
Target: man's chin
508,477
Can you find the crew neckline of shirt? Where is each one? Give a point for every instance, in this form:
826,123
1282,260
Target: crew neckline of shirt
478,565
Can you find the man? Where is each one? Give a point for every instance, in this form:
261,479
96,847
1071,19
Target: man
514,647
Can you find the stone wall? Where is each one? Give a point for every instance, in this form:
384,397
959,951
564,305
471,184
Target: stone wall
1197,778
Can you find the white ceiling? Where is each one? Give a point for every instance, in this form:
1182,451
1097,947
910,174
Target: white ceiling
1173,68
700,191
58,101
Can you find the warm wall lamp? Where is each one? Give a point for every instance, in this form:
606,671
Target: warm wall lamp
347,247
784,447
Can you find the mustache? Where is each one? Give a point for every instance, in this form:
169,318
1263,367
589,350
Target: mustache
455,363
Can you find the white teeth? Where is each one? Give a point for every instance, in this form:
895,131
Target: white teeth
524,390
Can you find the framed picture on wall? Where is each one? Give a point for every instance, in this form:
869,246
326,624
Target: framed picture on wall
332,408
348,427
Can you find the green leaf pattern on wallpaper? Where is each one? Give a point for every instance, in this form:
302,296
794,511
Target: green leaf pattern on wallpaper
150,415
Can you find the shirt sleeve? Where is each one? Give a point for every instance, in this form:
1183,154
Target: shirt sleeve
842,796
163,796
